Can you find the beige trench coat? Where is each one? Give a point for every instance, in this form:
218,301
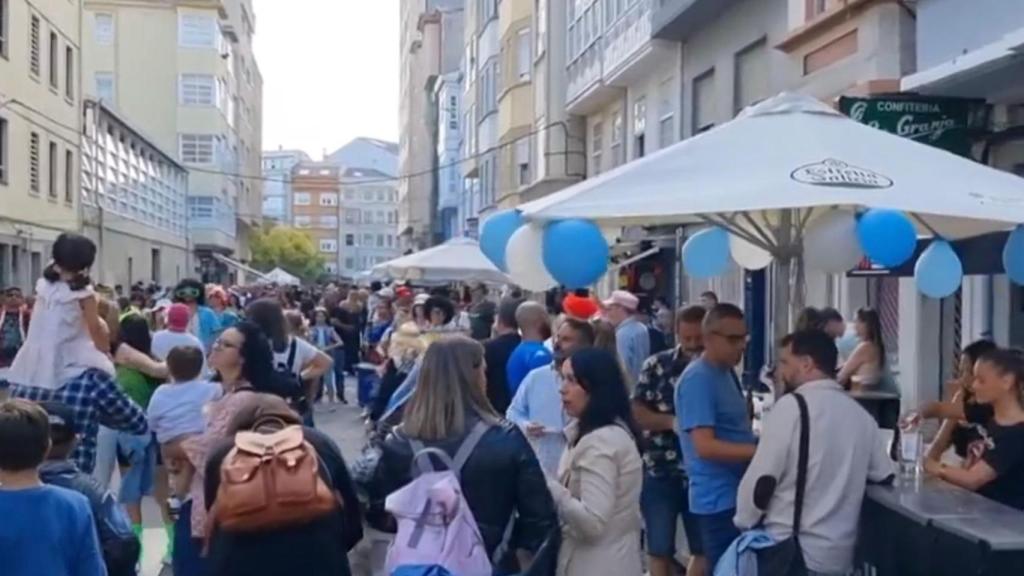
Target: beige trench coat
598,499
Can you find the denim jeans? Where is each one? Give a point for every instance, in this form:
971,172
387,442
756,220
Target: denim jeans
717,532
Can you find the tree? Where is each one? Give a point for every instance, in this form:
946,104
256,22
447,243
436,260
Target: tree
292,250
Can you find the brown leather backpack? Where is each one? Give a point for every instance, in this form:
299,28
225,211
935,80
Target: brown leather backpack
271,481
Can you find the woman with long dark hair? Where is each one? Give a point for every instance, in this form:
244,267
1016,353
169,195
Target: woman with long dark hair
597,491
864,368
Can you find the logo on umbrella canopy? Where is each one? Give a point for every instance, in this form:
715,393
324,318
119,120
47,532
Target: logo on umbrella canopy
832,172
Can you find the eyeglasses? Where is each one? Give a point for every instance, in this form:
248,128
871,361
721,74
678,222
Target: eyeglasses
734,339
221,344
189,292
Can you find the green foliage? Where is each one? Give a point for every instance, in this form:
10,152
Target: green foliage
290,249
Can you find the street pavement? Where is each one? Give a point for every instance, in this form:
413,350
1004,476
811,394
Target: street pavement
341,422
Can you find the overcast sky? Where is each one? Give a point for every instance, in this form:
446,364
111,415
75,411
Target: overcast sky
330,71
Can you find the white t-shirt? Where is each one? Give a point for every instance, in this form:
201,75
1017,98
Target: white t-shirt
164,341
304,354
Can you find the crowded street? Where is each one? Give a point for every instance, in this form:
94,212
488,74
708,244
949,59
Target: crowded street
512,288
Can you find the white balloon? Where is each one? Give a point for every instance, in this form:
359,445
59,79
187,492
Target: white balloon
831,245
524,261
747,255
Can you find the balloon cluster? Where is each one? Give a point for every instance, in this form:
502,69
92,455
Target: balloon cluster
573,253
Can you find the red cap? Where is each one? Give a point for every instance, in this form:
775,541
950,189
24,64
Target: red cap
178,316
581,307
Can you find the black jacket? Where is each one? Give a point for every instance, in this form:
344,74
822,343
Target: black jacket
319,548
118,542
501,477
497,351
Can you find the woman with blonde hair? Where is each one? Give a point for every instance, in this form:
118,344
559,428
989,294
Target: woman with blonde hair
501,475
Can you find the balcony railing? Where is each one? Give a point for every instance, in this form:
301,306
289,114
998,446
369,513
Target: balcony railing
627,35
585,71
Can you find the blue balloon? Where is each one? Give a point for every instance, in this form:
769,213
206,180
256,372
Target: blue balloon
706,253
575,253
887,236
494,235
938,271
1013,255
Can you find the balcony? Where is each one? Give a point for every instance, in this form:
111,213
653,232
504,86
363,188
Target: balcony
629,49
586,91
678,19
211,223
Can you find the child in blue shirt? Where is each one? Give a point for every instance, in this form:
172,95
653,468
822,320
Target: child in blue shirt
46,529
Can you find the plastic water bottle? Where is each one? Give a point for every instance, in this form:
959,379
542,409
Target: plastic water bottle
911,447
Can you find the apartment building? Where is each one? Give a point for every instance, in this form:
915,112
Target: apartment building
448,95
133,203
277,183
316,198
480,73
40,122
379,155
369,230
431,45
183,74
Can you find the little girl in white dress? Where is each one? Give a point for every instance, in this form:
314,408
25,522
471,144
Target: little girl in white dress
65,336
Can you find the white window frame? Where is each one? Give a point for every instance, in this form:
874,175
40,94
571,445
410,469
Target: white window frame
197,30
328,245
198,149
104,28
303,221
54,59
524,57
328,199
522,162
34,144
35,46
597,147
301,199
198,90
617,144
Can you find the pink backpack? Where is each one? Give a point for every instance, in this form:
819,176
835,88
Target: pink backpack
437,533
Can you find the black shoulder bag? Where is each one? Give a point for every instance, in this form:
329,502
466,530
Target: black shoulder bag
787,558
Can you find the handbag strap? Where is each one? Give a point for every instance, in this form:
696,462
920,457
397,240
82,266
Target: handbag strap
801,466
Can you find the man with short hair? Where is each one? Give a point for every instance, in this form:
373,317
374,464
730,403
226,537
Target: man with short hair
835,326
708,299
631,337
714,428
843,456
481,313
531,353
537,405
498,350
45,529
665,493
118,543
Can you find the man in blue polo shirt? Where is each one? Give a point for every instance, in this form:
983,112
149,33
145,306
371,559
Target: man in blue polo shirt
714,428
530,354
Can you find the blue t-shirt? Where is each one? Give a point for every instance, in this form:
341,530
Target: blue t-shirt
708,397
524,359
48,530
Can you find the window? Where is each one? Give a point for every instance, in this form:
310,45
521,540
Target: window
51,173
3,149
380,240
4,17
303,221
523,61
325,172
69,72
69,176
350,240
541,10
390,239
487,10
34,45
350,263
381,194
197,90
328,245
302,199
196,148
522,159
197,31
329,199
704,102
392,218
816,7
104,28
752,82
367,240
639,127
617,130
349,194
54,60
666,114
105,87
367,195
352,216
33,162
597,147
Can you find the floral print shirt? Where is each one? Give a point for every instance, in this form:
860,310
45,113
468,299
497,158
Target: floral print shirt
655,389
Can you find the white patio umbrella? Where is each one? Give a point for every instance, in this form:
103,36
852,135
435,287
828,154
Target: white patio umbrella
281,277
457,260
768,173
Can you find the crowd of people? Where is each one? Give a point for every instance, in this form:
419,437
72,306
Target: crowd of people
580,433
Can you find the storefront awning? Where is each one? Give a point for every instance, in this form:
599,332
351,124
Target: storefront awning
992,72
239,266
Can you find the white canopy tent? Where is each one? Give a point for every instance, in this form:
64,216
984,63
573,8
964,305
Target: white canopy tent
281,277
457,260
768,173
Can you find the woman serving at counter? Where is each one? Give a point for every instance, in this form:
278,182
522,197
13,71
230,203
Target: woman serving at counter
998,472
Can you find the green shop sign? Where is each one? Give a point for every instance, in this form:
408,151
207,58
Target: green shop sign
946,123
